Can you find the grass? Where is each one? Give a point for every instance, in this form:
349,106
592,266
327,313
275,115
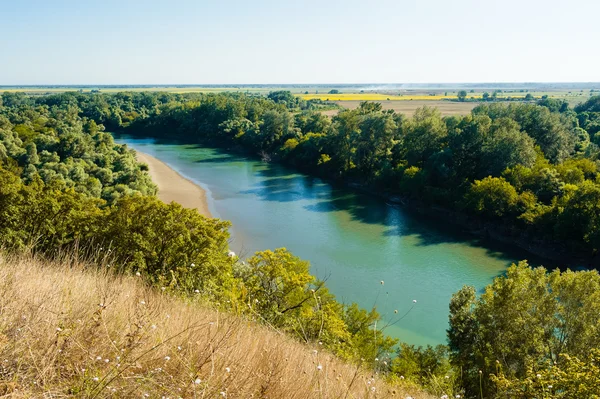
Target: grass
68,329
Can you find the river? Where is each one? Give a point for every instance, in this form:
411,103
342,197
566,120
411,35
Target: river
352,240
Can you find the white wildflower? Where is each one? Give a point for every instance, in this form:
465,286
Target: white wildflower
227,369
197,381
319,367
167,358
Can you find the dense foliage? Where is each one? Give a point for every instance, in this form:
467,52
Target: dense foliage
526,171
54,143
526,323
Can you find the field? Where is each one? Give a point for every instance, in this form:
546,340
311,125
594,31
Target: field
408,107
572,97
572,92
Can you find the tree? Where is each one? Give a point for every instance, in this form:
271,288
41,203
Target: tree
374,143
423,135
507,147
492,197
466,142
524,320
174,246
572,378
462,95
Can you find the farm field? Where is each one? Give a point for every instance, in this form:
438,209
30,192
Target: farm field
572,97
346,93
447,108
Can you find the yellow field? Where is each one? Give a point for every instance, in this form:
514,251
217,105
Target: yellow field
436,95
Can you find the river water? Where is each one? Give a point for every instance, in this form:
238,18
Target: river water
352,240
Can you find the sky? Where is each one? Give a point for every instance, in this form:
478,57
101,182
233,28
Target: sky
295,41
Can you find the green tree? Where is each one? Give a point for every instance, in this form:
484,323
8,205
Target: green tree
492,197
173,246
423,135
461,95
523,320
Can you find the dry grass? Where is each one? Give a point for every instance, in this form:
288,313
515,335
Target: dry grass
71,331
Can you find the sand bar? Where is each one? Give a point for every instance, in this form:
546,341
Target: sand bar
174,187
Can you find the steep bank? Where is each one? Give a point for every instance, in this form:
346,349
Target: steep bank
174,187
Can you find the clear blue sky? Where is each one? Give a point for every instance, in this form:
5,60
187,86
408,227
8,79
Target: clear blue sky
324,41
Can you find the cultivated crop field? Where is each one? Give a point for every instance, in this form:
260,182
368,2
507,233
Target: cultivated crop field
400,98
447,108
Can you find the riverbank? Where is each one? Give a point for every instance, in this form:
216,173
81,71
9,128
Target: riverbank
174,187
556,254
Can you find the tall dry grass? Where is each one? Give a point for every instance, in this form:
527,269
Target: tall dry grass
67,330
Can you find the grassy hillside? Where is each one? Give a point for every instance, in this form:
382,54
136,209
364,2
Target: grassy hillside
68,329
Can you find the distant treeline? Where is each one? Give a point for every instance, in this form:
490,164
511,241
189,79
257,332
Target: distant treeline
530,170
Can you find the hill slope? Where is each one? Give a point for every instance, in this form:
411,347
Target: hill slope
70,330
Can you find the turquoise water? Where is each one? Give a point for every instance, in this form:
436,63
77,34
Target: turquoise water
353,241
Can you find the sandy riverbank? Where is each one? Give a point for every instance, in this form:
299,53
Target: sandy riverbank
174,187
